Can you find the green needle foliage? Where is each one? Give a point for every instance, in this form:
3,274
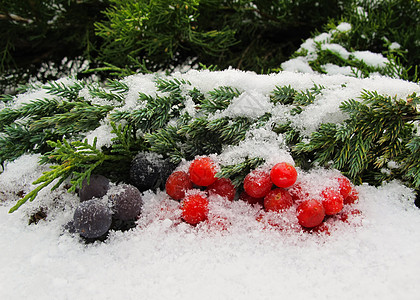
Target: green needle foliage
379,130
377,141
250,35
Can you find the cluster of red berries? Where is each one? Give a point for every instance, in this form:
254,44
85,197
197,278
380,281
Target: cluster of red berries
276,190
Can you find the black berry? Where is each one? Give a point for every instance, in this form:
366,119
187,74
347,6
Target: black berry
127,202
149,171
98,187
92,218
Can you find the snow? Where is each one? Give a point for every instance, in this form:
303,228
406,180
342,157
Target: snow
337,49
344,27
234,255
370,58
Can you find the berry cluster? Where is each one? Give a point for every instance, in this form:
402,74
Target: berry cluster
276,190
281,199
103,207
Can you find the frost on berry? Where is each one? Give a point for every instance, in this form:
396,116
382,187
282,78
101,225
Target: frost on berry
344,186
258,183
96,188
195,208
352,197
332,200
177,184
283,175
277,200
222,187
92,218
149,171
127,202
202,171
310,213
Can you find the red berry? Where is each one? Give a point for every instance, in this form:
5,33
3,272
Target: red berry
298,192
258,183
251,200
177,184
195,208
223,187
332,200
277,200
283,175
352,197
203,171
310,213
344,186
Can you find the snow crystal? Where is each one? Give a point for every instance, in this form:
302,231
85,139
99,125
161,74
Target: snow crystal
344,27
370,58
298,64
19,174
337,49
394,46
308,45
332,69
258,143
251,104
102,134
323,37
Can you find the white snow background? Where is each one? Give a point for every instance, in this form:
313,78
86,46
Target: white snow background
376,256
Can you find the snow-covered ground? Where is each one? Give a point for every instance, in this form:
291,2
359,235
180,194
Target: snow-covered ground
373,256
377,259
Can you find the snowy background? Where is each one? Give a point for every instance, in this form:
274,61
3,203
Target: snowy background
373,256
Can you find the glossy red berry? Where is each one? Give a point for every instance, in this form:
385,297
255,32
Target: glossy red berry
332,200
223,187
251,200
203,171
283,175
344,186
277,200
177,184
194,208
258,183
310,213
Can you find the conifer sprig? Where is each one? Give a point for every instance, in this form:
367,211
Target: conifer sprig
379,130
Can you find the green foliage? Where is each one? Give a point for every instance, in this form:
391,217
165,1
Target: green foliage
250,35
46,39
379,130
383,27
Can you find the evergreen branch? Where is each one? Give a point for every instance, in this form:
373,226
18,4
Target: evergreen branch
71,92
283,95
219,99
81,118
238,171
36,108
118,86
171,86
96,91
166,141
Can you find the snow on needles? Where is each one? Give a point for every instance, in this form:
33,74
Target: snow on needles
373,257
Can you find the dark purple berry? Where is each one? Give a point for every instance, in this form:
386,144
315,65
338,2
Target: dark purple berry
149,171
127,202
92,218
98,187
